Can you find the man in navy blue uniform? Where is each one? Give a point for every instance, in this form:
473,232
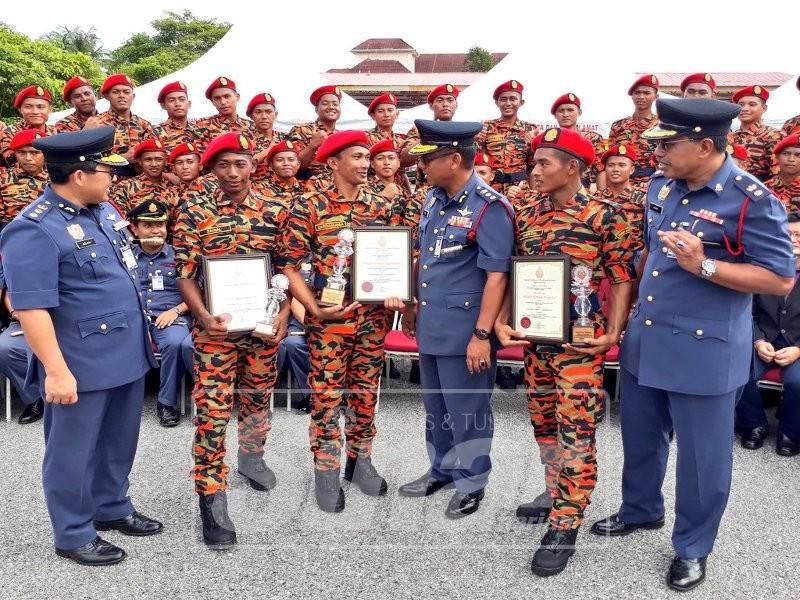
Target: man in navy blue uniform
71,276
714,236
166,311
466,239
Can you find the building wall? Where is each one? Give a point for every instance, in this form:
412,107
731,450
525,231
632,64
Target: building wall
405,58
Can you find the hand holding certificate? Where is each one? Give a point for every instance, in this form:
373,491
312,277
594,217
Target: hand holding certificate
237,285
540,297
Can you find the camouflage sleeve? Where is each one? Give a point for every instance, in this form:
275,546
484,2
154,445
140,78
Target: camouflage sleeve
297,232
118,196
5,141
412,138
618,248
188,249
614,134
412,211
296,136
480,139
770,144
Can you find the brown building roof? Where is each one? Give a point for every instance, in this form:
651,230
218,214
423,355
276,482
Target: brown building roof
446,63
372,65
373,44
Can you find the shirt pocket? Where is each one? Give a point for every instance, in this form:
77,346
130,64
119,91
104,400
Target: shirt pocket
463,300
261,238
454,240
103,324
700,329
95,263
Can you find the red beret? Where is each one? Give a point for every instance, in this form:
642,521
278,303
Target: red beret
149,145
569,98
73,84
386,98
484,160
737,151
753,90
116,79
512,85
182,150
175,86
325,89
382,146
442,90
227,142
567,140
32,91
649,80
220,82
789,140
621,150
25,138
282,146
336,142
263,98
699,78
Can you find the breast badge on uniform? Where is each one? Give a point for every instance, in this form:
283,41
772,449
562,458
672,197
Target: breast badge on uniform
664,192
76,231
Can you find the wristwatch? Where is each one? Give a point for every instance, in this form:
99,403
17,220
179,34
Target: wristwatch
481,334
707,268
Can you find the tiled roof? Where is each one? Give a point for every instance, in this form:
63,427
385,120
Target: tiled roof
446,63
382,44
374,66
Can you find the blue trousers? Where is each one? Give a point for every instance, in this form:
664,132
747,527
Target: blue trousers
293,349
14,362
177,356
703,428
459,421
89,451
750,410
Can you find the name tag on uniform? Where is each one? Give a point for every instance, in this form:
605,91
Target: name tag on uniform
656,207
120,225
157,282
85,243
464,222
128,258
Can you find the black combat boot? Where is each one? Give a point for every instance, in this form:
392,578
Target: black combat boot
362,472
218,530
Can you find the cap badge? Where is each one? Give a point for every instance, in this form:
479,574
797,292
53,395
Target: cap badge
571,97
223,81
190,147
514,85
622,150
707,77
152,207
654,79
550,135
159,144
289,145
757,90
39,90
244,143
337,91
449,87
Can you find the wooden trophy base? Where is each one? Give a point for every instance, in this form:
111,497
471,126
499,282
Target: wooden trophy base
580,333
331,297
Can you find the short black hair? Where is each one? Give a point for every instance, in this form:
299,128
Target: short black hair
565,157
60,172
793,217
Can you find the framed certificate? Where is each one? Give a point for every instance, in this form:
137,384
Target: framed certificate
236,285
381,264
540,297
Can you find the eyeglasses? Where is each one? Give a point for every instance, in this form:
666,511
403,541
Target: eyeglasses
665,145
103,171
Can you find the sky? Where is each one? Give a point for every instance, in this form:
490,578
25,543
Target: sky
661,36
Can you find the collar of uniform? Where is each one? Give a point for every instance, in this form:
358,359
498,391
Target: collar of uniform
19,172
462,194
717,183
754,127
67,208
223,199
165,251
320,125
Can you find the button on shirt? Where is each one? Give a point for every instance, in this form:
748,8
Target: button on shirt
688,334
68,260
453,266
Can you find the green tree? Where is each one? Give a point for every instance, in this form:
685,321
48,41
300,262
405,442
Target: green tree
180,38
479,60
78,39
25,62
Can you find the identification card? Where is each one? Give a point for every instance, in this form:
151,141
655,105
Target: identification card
128,258
438,248
157,282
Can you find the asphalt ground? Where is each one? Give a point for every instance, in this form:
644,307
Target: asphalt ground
390,547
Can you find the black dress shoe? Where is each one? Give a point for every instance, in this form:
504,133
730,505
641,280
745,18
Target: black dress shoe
96,553
686,573
328,491
134,524
218,530
168,416
786,446
613,526
362,472
461,505
537,511
424,486
32,413
554,552
753,439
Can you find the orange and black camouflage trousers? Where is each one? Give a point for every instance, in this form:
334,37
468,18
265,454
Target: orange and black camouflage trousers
564,398
241,367
346,361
